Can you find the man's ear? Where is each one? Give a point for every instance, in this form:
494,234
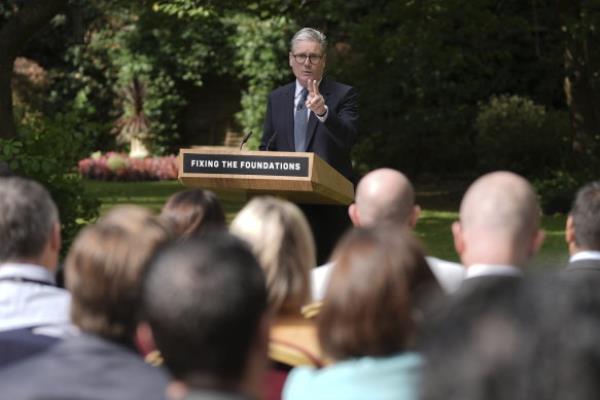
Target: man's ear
353,214
55,238
538,240
457,234
570,231
144,338
414,216
291,59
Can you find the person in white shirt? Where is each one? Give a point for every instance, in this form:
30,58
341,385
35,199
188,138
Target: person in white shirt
386,197
29,247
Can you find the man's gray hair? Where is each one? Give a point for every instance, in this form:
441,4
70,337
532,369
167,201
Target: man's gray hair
312,35
27,217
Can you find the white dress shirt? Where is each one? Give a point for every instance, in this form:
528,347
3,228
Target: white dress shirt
477,270
585,255
30,298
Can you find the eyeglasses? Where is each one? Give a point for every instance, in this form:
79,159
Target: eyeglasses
301,58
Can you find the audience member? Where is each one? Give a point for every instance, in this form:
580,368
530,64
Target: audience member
540,345
30,303
583,233
193,211
498,231
103,273
386,197
482,335
366,323
281,240
205,304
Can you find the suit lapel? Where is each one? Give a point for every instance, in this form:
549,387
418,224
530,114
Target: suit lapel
288,106
313,121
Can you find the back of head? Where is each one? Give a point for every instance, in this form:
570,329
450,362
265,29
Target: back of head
539,343
103,270
500,210
367,306
384,196
204,300
281,239
27,217
191,212
585,214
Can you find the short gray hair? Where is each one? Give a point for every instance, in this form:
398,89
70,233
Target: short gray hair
312,35
27,217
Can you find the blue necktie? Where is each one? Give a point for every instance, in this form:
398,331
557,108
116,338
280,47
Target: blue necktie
300,122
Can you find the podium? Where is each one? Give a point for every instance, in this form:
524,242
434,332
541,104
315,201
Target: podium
298,177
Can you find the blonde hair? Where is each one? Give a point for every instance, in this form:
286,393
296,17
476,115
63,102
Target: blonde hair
281,240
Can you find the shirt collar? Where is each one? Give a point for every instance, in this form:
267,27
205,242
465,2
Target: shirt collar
28,271
492,269
299,87
585,255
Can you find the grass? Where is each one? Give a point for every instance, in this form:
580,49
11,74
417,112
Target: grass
439,205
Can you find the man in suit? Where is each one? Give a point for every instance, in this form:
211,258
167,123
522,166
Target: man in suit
477,335
103,272
208,317
582,232
314,114
386,197
498,231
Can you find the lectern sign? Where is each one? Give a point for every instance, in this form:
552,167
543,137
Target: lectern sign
300,177
245,164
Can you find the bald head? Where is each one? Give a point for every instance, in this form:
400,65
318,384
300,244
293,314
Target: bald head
500,214
383,196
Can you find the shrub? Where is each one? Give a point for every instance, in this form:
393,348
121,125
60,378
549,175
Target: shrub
47,150
558,191
516,134
119,167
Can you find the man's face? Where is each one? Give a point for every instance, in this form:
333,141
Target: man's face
307,69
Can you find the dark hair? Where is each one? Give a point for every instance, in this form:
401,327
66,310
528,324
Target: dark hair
204,300
103,270
191,212
586,216
27,217
367,306
536,340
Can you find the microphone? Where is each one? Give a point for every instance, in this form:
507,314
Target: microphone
270,142
245,139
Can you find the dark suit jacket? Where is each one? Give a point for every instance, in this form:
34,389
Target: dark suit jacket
583,281
19,344
584,268
331,140
84,367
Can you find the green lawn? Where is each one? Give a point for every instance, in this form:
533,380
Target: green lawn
439,211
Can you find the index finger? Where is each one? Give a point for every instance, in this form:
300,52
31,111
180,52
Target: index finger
315,87
311,88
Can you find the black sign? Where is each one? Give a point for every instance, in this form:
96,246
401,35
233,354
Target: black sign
240,164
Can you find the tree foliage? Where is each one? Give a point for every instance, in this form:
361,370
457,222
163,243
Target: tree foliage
422,68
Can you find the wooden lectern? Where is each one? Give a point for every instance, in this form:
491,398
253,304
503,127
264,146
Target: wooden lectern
298,177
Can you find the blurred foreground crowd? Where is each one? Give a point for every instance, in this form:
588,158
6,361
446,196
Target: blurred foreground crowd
181,306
